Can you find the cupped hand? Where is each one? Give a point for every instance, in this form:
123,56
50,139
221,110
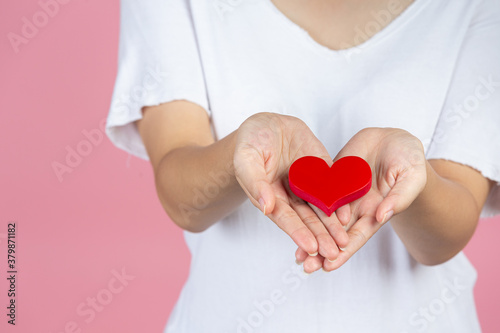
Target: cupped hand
266,145
399,175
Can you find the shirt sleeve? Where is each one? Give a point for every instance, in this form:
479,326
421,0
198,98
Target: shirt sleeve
158,62
468,131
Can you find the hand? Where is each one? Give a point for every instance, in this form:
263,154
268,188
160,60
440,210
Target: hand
266,145
399,174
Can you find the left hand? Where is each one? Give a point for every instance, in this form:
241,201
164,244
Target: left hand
399,175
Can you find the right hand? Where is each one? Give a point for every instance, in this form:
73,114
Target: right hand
266,145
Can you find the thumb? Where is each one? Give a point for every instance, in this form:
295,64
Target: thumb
251,174
399,198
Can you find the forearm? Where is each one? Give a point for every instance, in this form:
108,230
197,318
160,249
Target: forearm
440,222
196,185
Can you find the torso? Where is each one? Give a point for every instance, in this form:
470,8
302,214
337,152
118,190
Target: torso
255,59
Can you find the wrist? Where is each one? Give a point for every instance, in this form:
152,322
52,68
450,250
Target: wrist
230,149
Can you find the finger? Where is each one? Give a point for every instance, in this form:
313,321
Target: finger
344,214
287,220
300,256
334,227
252,176
327,246
399,198
359,234
312,264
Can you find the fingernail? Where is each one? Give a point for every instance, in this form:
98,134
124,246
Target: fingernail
306,273
298,262
262,205
331,260
387,216
342,248
324,270
313,254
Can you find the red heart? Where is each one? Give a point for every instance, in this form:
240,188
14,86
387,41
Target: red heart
329,188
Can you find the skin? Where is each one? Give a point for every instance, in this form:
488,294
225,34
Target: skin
336,23
255,161
434,204
437,202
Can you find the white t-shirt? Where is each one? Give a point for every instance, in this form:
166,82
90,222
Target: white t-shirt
434,71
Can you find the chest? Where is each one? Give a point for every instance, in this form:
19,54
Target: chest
341,24
257,59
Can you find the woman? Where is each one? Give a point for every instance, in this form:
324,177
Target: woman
222,96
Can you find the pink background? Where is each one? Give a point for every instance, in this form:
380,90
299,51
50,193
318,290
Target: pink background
104,215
